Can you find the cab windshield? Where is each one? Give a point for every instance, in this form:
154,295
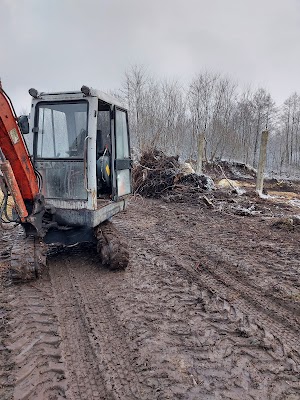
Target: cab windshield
62,129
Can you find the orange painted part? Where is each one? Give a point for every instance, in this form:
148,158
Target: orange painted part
13,186
14,149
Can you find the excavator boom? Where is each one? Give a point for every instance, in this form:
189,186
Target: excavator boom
15,151
20,181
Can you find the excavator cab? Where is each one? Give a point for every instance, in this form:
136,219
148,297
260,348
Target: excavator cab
79,149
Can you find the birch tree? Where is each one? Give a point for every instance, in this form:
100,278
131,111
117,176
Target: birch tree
264,111
291,128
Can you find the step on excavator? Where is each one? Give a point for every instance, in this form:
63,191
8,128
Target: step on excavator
67,168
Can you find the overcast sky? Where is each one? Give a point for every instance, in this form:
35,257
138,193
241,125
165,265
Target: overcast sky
63,44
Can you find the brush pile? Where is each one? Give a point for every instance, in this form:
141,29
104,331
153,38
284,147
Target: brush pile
157,175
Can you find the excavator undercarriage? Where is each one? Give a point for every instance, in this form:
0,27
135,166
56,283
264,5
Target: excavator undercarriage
29,254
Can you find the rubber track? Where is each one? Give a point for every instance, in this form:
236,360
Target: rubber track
111,246
28,258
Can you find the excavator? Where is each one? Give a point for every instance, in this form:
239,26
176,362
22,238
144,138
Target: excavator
67,167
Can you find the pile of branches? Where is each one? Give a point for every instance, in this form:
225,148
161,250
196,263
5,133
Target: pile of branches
156,175
197,181
232,169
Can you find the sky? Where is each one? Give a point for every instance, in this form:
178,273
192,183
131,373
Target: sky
59,45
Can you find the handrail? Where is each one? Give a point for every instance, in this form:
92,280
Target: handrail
85,163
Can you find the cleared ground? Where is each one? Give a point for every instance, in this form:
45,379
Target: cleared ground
209,308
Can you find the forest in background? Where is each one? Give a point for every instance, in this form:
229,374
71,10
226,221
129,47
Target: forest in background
166,115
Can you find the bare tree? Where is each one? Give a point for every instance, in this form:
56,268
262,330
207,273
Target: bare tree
200,98
221,135
133,90
165,115
264,111
173,116
243,117
290,120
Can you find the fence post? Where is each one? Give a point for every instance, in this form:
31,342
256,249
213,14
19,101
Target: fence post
262,162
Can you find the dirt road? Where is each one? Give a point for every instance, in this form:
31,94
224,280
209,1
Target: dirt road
209,308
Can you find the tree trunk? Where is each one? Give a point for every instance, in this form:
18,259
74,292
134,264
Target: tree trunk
201,140
262,162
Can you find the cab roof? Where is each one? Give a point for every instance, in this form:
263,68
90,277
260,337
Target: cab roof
72,95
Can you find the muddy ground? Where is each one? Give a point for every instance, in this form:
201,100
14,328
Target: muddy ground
209,307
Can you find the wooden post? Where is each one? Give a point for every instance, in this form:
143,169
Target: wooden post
201,140
262,162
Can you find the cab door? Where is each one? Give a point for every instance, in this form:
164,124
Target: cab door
122,154
59,148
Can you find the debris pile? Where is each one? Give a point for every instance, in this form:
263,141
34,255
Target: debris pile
291,223
197,181
157,175
232,169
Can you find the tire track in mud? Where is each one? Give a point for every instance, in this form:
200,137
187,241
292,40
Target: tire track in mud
163,329
6,363
7,379
155,323
258,250
34,343
193,344
215,277
99,363
214,262
224,263
251,322
31,366
210,263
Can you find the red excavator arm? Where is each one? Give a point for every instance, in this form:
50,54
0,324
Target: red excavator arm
15,163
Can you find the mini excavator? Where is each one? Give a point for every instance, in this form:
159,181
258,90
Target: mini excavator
68,169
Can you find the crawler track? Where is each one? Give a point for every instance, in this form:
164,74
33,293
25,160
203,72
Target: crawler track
28,258
112,246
